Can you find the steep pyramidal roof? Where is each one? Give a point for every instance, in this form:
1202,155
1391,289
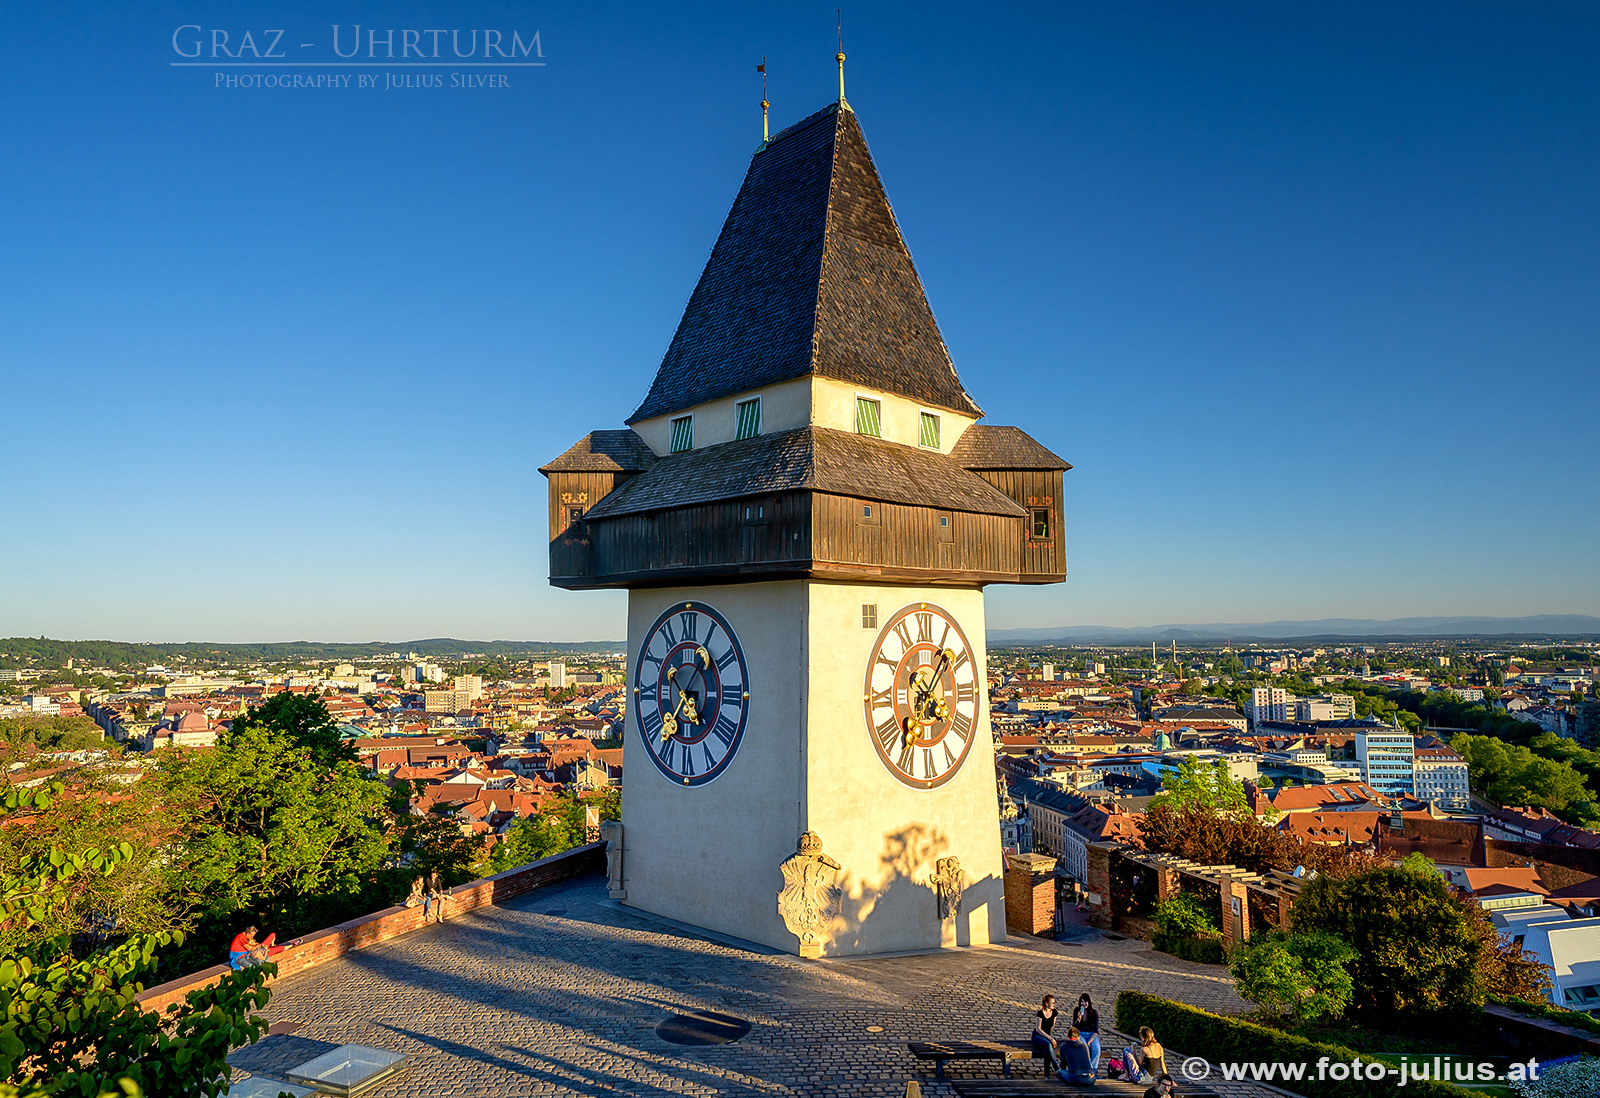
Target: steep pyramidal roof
809,276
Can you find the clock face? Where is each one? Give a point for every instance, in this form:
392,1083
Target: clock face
921,695
691,693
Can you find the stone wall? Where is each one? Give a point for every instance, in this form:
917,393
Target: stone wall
323,946
1030,893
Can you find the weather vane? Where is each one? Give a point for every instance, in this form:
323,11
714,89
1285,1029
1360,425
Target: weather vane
762,69
839,12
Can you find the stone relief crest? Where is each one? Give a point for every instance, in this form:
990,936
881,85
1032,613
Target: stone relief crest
948,880
611,834
810,897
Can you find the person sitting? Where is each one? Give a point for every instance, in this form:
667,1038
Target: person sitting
1148,1061
246,951
1075,1054
1087,1021
415,898
1043,1040
1166,1085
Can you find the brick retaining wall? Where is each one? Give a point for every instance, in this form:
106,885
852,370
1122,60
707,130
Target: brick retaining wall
322,946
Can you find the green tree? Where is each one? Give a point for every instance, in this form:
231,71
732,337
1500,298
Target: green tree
531,838
50,733
1204,785
1299,975
306,721
71,1025
1187,915
268,823
1417,946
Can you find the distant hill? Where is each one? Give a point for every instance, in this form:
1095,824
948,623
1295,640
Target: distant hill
15,650
1538,625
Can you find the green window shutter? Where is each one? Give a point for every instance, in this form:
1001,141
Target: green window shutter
868,413
930,430
682,434
749,419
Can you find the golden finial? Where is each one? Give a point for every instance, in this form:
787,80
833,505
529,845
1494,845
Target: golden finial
839,12
762,69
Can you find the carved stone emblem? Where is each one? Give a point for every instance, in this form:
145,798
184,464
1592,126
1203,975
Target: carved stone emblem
810,898
611,832
948,880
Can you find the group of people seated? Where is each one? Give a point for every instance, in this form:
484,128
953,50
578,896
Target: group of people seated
1074,1056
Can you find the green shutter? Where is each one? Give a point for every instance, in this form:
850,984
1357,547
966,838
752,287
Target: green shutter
930,430
749,419
682,434
867,416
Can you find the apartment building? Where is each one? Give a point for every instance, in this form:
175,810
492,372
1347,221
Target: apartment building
1269,703
1386,757
1440,775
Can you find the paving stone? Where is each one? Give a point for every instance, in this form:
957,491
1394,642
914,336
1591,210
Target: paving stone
506,1001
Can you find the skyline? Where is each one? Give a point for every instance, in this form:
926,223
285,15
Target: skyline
1311,299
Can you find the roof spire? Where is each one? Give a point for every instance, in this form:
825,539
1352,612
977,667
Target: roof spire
839,12
762,69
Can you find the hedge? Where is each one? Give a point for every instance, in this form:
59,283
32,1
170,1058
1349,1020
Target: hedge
1205,951
1233,1040
1552,1013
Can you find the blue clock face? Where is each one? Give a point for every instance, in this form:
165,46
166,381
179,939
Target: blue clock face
691,693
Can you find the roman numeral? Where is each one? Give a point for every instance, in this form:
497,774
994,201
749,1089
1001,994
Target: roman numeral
961,724
668,750
944,640
966,691
927,764
887,662
961,657
650,719
670,633
648,658
949,759
924,628
903,631
887,730
725,729
726,657
691,625
905,764
883,697
687,768
709,761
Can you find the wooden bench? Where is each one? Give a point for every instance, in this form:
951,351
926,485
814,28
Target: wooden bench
1028,1088
940,1051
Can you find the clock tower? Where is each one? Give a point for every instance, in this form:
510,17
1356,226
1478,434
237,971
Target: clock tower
805,511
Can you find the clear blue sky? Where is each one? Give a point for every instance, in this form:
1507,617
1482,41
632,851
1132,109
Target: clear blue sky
1307,294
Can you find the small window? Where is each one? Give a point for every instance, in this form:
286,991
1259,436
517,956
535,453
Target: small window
869,417
930,431
1041,523
682,434
755,514
575,516
867,515
749,418
944,526
869,615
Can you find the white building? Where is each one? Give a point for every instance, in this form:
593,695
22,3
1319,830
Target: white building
1268,703
1325,707
470,685
1440,775
1570,947
1386,759
558,674
1047,672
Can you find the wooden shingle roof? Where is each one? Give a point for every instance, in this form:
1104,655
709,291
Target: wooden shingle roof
807,458
603,452
809,276
982,446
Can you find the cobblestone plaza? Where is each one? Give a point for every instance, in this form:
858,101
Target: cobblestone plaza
559,993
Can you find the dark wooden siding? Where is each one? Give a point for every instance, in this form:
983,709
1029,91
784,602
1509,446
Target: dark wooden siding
906,537
1044,560
569,541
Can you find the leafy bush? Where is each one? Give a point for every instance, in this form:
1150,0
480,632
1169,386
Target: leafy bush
1417,946
1302,975
1232,1040
1186,915
1542,1008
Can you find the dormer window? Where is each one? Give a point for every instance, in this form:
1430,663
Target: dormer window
929,435
682,434
748,418
869,417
